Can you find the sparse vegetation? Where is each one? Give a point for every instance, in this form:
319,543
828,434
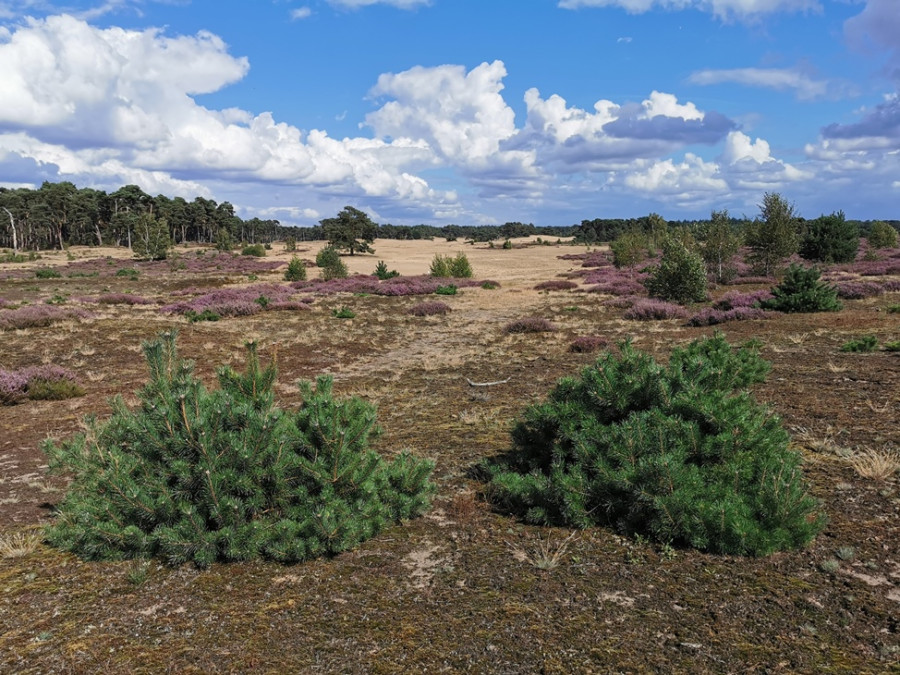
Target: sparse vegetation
865,344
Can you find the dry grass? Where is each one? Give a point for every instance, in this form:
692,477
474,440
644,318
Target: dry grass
876,464
544,555
21,543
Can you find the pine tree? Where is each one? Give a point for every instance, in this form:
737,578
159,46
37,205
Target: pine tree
680,275
830,239
681,453
801,290
193,475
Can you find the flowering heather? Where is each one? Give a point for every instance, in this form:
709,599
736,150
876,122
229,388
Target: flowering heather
621,301
232,301
735,299
652,310
531,324
712,316
122,299
38,382
4,303
588,344
556,285
891,285
856,290
738,281
396,286
429,308
290,305
619,286
38,316
13,386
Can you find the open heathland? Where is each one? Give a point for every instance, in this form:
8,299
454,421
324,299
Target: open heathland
466,587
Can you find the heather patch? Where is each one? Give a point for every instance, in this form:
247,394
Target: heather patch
654,310
435,308
588,344
396,286
735,299
122,299
38,316
556,285
39,383
712,316
233,301
531,324
857,290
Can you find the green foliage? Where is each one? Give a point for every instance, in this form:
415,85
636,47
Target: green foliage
830,239
296,270
224,240
193,475
507,245
53,390
351,230
490,285
458,266
206,315
47,273
129,272
629,248
382,272
802,291
256,250
151,239
773,236
719,243
679,453
290,244
343,313
450,289
893,309
882,235
865,345
330,261
680,275
892,346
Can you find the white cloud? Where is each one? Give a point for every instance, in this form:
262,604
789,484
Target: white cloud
780,79
301,13
725,9
105,103
690,179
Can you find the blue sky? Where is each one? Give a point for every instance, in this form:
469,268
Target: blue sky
459,111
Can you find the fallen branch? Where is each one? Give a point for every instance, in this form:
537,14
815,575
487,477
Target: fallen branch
487,384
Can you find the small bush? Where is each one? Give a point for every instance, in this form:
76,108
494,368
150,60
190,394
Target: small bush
122,299
332,266
654,310
440,266
38,383
865,345
457,267
129,272
530,324
13,386
296,270
255,250
290,244
830,239
224,241
712,316
882,235
343,313
38,316
680,276
47,273
588,344
802,291
892,346
556,285
857,290
206,315
445,290
193,475
893,309
490,285
429,309
679,453
382,272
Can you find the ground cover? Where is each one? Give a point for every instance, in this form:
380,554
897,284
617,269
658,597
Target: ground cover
464,587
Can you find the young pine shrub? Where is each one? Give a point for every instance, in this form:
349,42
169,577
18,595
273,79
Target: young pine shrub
193,475
296,270
680,453
802,291
864,345
255,250
332,266
680,276
382,272
440,266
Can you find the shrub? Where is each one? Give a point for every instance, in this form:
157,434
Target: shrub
47,273
332,265
206,315
256,250
556,285
37,316
735,299
224,240
429,309
13,386
680,276
882,235
290,244
857,290
712,316
296,270
122,299
457,267
127,272
38,383
892,346
680,453
343,313
381,271
830,239
530,324
588,344
440,266
654,310
193,475
864,345
445,290
490,285
802,291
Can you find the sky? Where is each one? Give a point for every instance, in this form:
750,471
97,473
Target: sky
460,111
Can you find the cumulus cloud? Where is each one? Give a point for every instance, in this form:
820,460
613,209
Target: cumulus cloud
724,9
301,13
880,127
690,179
801,84
115,103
